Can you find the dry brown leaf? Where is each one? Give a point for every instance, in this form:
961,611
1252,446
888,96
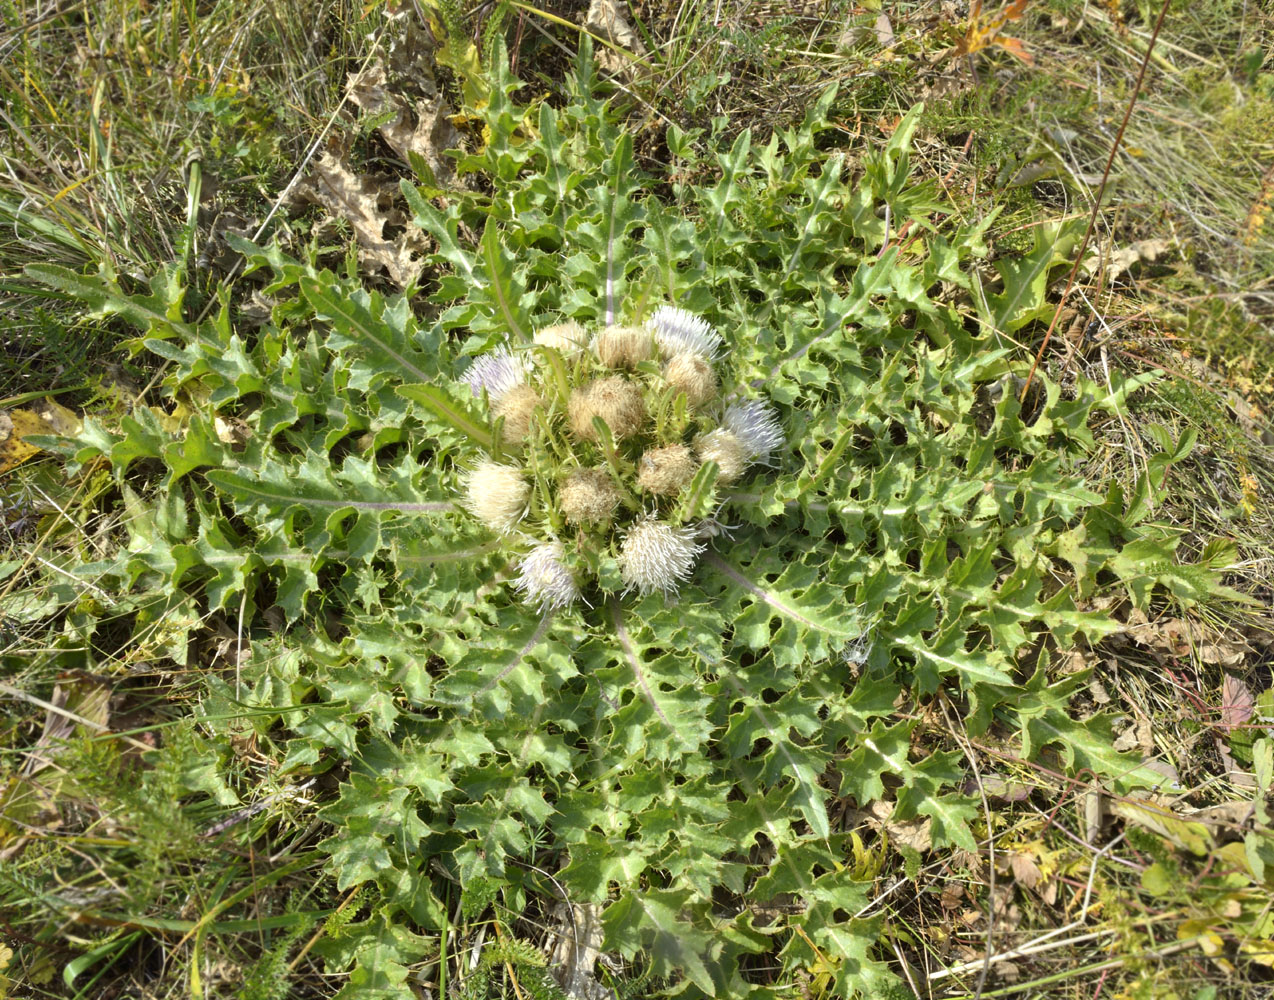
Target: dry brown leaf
1072,661
257,309
368,205
1008,914
1098,690
574,954
232,431
1237,702
1251,419
1094,815
607,21
410,57
429,137
913,833
1235,815
1119,262
1024,869
1171,778
1010,972
399,91
1223,652
421,127
79,701
884,31
1178,638
1023,863
993,786
1138,736
1234,772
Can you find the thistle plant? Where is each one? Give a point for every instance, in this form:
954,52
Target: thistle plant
473,542
625,441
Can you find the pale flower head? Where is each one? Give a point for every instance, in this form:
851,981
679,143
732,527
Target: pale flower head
545,580
666,471
692,374
680,332
568,338
756,425
623,346
727,450
498,373
618,401
655,556
588,496
517,407
497,495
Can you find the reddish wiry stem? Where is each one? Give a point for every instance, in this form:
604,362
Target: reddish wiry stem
1092,217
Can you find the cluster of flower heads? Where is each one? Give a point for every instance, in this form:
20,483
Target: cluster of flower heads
600,437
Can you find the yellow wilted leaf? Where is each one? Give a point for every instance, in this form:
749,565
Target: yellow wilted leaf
867,860
984,34
1259,951
6,959
1193,837
16,426
1210,941
458,53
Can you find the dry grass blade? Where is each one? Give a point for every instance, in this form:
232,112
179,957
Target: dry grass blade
1097,201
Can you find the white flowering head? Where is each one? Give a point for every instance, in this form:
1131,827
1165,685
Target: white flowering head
497,495
680,332
567,338
655,556
498,373
757,426
545,580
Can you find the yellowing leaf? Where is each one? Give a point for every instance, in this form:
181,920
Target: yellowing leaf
1193,837
981,34
1209,940
1259,951
16,426
459,54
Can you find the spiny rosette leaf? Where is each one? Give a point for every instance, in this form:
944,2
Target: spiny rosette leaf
643,562
623,433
